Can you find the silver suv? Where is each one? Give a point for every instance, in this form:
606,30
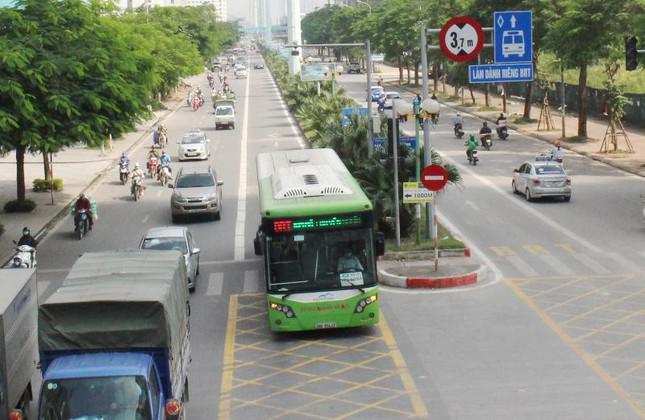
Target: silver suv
196,192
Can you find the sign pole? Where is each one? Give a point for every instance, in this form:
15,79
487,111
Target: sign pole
370,123
426,123
395,152
435,233
417,207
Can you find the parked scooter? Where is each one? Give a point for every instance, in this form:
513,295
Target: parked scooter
124,172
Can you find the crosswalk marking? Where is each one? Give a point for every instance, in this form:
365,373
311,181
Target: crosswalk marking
215,283
251,281
536,249
556,265
590,263
521,266
502,251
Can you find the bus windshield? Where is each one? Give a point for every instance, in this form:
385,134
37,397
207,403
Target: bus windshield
319,260
114,397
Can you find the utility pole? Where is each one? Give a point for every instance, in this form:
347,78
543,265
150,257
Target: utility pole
294,34
370,122
427,157
395,154
562,99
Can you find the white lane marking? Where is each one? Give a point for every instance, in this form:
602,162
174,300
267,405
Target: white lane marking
159,193
145,219
241,192
556,264
471,204
251,281
215,284
229,261
52,270
590,263
527,208
624,262
286,112
521,266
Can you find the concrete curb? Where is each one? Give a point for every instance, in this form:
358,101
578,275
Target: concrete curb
51,224
430,282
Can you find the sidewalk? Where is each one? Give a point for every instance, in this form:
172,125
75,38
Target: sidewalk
596,128
79,167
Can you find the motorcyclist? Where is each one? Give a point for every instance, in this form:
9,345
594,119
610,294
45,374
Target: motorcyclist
27,239
83,203
152,161
483,132
155,137
434,117
381,103
137,172
164,160
124,160
556,151
471,145
501,124
459,122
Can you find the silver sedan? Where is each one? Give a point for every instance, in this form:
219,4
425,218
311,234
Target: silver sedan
541,178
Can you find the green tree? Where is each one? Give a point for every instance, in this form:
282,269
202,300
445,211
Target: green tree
586,31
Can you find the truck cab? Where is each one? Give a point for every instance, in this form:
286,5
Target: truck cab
116,385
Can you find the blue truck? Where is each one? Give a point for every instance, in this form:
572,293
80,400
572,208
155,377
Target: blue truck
114,339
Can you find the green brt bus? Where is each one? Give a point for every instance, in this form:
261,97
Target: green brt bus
318,240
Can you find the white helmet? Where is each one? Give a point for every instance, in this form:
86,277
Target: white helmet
136,165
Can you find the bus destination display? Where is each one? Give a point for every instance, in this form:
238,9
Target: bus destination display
316,223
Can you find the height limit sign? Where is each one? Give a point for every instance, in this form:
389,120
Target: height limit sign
461,38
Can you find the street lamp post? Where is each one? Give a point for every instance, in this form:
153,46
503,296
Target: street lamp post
366,4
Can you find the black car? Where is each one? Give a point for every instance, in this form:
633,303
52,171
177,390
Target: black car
258,66
354,68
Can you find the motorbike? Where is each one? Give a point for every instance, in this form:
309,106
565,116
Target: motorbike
153,164
459,131
164,174
81,223
137,188
27,255
472,158
124,172
434,118
486,140
502,132
163,139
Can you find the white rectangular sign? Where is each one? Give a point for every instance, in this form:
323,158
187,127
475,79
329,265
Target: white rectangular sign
414,193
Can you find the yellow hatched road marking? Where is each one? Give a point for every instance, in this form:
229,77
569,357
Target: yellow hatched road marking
567,247
229,403
502,251
589,359
229,359
536,249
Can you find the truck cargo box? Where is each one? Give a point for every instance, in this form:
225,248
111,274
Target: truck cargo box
18,336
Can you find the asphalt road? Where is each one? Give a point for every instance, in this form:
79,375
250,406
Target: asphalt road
559,335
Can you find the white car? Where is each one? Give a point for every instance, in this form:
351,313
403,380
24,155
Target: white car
389,97
241,73
177,238
541,178
224,116
194,145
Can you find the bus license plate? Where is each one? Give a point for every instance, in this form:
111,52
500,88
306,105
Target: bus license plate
324,325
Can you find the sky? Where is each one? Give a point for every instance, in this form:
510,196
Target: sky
242,8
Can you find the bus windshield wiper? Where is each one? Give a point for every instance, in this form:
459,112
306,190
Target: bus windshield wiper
286,295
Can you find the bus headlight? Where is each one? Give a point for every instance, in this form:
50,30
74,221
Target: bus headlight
286,310
360,306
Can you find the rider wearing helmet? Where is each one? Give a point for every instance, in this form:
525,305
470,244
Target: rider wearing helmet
137,175
27,239
557,152
124,159
83,203
485,130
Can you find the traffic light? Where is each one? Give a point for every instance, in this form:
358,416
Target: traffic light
631,54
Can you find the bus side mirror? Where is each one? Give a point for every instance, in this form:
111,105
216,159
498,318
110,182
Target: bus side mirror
257,246
380,244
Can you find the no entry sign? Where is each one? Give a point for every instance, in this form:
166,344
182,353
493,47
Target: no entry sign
461,38
434,177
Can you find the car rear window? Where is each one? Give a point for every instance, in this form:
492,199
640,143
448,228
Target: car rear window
549,170
165,244
193,139
195,181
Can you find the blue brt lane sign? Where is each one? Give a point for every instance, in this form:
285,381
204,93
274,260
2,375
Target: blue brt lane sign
501,73
513,36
